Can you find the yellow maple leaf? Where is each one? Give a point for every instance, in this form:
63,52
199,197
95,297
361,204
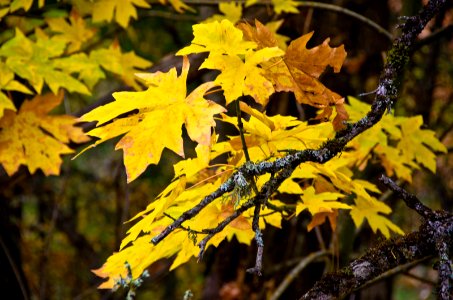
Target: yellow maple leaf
8,83
414,146
90,72
31,137
178,5
5,103
280,6
419,144
103,10
265,135
318,203
217,38
239,77
288,6
162,109
124,65
369,208
231,11
139,255
75,32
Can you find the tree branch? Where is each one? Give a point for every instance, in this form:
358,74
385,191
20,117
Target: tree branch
391,254
410,200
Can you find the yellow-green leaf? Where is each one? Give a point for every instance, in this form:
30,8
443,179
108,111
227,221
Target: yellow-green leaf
75,32
35,63
124,65
121,10
288,6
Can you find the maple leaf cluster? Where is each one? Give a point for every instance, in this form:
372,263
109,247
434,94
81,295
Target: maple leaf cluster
251,63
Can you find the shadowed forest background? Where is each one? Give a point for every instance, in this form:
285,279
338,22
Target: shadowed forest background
55,229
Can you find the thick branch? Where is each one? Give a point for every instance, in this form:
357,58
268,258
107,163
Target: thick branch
391,254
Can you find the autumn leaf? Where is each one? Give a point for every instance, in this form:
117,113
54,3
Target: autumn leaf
178,5
318,203
370,208
240,66
238,78
33,138
5,103
8,83
419,144
75,33
162,109
415,146
18,4
217,38
265,136
125,65
231,11
123,10
300,70
262,35
89,71
287,6
320,218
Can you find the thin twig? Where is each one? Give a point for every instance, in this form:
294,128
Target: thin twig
241,130
311,4
394,271
15,269
224,188
223,224
436,35
410,200
259,242
295,272
419,278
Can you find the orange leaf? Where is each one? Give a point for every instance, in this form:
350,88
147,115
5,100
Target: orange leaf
299,73
320,218
259,34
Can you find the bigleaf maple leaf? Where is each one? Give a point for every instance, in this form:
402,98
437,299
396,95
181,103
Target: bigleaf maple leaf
300,69
35,139
162,109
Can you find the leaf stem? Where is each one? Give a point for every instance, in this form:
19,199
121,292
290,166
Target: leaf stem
241,130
